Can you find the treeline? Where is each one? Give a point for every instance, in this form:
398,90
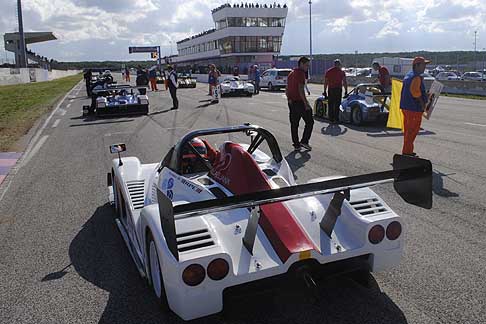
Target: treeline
361,59
437,58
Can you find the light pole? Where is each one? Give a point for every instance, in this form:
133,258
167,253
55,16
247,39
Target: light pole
356,63
22,57
310,37
475,46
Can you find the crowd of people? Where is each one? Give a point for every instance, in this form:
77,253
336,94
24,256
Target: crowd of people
249,5
209,31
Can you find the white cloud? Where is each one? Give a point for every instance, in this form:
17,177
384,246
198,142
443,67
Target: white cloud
89,29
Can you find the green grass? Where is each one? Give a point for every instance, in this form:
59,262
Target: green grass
22,104
464,96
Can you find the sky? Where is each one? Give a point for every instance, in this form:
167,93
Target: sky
103,29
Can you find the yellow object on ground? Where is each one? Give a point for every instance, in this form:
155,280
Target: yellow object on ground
395,116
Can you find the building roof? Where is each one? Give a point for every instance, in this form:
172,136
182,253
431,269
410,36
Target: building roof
31,37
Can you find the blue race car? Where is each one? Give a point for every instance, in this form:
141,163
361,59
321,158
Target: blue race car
117,100
365,103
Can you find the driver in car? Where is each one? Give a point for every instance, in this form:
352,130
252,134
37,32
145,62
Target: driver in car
191,163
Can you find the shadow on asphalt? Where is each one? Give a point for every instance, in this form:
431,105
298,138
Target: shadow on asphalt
210,103
333,130
388,132
297,160
99,255
103,123
160,112
438,185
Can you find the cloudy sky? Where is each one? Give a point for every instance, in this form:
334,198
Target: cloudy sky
103,29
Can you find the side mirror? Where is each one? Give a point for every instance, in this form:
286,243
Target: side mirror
117,148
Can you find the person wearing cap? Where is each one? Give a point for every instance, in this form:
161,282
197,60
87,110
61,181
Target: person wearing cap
413,101
383,77
172,82
299,107
334,82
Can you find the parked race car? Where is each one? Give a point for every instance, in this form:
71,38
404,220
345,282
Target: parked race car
206,220
160,78
185,81
365,103
117,100
234,86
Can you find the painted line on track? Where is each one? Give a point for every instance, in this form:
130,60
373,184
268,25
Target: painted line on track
56,123
472,124
35,149
68,105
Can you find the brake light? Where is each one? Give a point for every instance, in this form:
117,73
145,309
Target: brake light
393,230
376,234
193,275
218,269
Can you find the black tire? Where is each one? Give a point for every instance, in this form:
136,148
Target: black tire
270,86
356,116
160,295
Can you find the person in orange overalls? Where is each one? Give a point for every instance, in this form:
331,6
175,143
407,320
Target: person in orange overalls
413,101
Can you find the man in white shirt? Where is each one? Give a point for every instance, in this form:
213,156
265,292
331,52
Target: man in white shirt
173,87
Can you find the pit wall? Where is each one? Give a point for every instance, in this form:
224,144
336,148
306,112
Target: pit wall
27,75
455,87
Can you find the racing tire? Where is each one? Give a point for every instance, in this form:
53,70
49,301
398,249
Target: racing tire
154,275
270,86
250,95
116,198
356,116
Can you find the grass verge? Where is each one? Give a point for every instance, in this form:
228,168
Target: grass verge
463,96
22,104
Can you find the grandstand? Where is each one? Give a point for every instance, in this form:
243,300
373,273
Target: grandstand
12,44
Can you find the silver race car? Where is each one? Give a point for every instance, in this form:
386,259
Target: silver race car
234,86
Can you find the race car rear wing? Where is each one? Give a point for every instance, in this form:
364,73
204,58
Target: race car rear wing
411,177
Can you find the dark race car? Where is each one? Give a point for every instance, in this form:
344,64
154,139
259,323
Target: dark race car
117,100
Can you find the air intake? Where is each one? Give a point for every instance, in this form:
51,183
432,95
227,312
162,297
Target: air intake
368,207
193,240
136,189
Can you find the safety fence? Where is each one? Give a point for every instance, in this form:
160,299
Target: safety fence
27,75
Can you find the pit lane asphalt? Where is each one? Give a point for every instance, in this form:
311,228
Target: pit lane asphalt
63,261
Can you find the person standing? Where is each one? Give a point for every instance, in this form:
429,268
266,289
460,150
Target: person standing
299,107
213,76
413,101
88,75
153,79
383,77
334,82
172,83
127,74
257,79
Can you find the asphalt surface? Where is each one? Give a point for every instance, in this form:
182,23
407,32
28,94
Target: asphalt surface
62,259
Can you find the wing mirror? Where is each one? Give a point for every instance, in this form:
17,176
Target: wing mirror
117,149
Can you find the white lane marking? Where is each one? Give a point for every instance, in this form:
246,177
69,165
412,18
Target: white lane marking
39,132
63,112
35,149
56,123
68,105
472,124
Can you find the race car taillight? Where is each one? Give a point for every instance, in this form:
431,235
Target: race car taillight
393,230
144,101
218,269
376,234
193,275
100,104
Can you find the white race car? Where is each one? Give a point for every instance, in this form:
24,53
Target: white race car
234,86
206,220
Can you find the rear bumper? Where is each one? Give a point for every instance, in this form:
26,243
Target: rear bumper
122,110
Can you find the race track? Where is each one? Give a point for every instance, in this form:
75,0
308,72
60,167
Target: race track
62,259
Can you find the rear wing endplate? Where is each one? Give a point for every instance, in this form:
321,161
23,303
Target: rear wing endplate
411,177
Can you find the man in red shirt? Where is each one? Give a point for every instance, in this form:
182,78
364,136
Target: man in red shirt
383,77
334,81
299,107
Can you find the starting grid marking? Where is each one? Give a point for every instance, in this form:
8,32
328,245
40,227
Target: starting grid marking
472,124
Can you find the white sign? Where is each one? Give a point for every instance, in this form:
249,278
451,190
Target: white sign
434,93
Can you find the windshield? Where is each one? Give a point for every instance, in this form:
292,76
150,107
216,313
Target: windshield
283,73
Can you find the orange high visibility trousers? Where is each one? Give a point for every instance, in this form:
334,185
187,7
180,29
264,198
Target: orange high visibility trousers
411,128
